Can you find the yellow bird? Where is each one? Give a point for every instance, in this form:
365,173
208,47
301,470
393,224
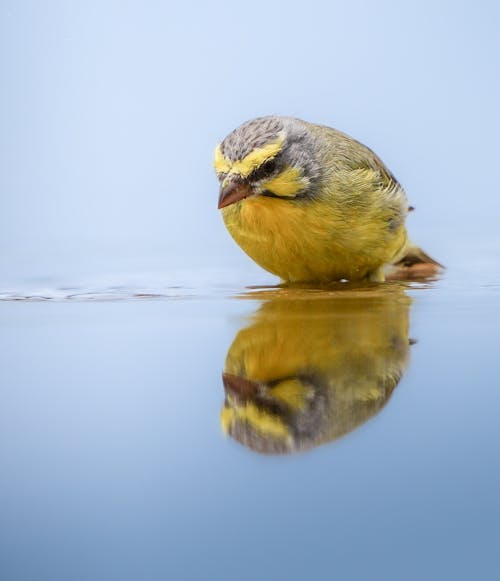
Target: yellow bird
309,203
313,366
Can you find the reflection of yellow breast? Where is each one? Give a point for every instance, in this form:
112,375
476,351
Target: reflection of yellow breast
312,240
324,334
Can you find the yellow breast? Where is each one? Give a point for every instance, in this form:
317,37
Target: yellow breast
301,240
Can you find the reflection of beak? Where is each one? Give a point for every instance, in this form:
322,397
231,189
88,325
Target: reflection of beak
239,387
233,190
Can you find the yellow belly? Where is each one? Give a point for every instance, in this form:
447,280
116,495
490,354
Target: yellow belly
313,240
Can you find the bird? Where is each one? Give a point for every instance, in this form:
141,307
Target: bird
308,203
313,365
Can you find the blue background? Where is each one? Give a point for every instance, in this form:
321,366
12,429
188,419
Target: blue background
110,110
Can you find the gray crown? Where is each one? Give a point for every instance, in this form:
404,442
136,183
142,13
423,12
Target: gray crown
299,147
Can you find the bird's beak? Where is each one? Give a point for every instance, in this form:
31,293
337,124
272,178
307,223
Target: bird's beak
233,190
239,387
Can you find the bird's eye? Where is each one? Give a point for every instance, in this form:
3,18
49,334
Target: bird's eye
269,166
266,169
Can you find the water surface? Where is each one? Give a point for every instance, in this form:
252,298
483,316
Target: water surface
183,428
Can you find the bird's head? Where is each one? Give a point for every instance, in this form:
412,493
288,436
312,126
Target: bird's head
269,156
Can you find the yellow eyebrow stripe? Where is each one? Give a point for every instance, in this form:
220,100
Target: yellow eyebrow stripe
244,167
220,162
260,420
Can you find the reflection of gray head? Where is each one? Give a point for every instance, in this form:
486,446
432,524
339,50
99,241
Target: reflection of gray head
333,411
298,149
303,427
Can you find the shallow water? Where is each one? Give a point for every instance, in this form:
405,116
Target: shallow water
193,428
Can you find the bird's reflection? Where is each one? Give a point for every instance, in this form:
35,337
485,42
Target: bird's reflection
312,366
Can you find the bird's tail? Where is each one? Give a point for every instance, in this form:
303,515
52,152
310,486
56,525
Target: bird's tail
414,263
